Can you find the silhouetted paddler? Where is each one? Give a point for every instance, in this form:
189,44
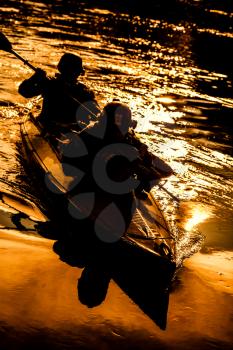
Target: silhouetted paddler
65,100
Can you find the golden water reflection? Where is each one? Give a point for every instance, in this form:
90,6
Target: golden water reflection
197,214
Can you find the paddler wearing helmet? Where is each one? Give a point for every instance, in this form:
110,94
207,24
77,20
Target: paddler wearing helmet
65,99
116,152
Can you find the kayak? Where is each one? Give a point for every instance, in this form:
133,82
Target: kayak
147,231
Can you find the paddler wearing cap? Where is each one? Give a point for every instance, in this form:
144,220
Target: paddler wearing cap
66,101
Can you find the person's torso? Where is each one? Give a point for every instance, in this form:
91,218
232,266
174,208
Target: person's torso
62,101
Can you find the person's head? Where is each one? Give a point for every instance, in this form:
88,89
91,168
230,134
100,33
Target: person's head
119,118
70,66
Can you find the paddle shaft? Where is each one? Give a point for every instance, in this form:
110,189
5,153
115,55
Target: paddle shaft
23,60
169,193
163,188
5,45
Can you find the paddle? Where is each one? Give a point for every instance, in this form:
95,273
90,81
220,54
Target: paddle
5,45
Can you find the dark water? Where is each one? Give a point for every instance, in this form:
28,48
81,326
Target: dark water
171,62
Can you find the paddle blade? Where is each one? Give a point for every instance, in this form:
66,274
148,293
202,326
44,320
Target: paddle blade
5,45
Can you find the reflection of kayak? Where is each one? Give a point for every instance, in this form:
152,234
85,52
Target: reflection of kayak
147,231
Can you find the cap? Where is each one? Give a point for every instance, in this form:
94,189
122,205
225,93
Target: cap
70,64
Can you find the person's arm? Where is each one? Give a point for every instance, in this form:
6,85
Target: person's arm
142,148
33,86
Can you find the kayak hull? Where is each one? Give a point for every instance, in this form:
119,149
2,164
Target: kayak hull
147,234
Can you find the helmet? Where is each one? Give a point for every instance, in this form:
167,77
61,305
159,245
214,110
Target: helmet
70,64
118,115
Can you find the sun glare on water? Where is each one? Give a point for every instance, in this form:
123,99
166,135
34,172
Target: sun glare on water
197,215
